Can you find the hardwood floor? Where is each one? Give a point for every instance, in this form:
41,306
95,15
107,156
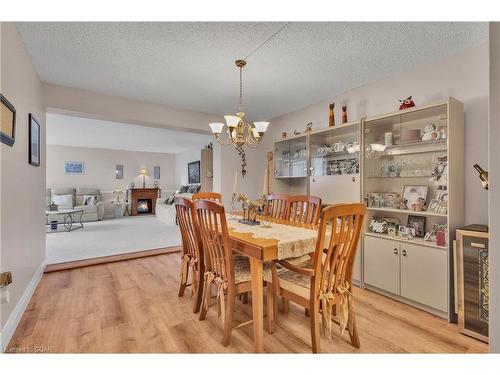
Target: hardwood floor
132,306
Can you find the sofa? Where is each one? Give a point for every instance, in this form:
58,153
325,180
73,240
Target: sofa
165,208
91,212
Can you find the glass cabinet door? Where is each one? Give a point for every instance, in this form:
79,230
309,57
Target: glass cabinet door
291,157
335,151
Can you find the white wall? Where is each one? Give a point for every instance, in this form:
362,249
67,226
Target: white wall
494,193
464,76
22,244
181,165
100,167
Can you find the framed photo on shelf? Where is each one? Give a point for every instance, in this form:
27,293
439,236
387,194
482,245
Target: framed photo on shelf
412,193
33,141
417,223
433,206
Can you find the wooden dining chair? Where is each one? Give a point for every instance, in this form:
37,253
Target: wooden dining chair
231,274
323,283
211,196
192,250
304,209
278,205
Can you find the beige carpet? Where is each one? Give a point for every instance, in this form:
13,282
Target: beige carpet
111,237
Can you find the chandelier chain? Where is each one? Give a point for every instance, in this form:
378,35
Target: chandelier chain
241,89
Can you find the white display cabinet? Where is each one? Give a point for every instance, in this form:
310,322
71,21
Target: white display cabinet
420,148
412,162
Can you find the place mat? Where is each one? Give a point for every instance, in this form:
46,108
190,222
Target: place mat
292,241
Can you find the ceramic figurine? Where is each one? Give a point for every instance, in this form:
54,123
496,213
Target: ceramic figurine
344,114
295,132
331,120
407,103
309,127
429,133
400,203
283,135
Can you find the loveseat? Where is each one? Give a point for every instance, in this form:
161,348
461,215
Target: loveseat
165,208
93,209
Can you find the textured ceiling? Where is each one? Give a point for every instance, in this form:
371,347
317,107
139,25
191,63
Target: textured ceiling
190,65
81,132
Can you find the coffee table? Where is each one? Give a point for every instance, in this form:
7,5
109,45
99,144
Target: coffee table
69,216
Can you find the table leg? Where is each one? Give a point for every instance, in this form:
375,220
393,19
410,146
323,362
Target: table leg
256,267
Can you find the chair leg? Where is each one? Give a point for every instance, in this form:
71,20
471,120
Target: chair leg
271,308
204,303
244,298
285,305
315,334
198,293
184,270
354,334
228,322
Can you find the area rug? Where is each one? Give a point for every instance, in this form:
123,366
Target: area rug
111,237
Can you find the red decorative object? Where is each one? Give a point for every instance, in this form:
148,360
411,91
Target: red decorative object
441,238
407,103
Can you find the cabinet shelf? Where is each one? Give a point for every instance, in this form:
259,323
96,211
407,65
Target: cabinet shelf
428,176
416,241
413,148
408,212
287,177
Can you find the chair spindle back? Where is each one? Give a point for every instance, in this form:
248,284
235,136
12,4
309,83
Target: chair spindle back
279,205
216,242
191,239
334,261
304,209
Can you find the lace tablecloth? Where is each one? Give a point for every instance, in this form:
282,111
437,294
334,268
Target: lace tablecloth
292,241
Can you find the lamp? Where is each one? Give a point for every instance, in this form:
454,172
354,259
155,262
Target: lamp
143,173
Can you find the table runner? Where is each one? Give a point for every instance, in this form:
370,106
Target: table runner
293,241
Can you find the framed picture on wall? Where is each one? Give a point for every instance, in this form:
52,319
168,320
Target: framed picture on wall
194,172
74,167
156,173
7,121
33,141
119,171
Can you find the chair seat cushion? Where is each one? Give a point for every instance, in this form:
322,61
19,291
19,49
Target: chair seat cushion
242,272
241,269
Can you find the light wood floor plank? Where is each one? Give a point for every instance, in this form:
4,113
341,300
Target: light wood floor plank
132,306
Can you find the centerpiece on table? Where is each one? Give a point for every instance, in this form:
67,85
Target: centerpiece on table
251,208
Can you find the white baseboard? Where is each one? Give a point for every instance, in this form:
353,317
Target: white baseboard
16,315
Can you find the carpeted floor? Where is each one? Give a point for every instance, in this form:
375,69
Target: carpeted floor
111,237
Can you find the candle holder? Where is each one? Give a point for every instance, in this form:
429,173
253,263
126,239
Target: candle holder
233,212
266,218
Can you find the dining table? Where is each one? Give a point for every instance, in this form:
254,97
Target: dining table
281,240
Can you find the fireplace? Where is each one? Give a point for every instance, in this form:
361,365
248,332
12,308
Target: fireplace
144,206
143,201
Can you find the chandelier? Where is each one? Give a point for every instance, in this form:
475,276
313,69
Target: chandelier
238,132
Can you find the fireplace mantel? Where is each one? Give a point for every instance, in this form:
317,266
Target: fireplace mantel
147,193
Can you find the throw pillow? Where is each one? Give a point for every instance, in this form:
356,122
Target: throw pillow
63,201
89,200
184,189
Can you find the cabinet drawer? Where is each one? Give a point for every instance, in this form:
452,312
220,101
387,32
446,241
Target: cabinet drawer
381,263
424,275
